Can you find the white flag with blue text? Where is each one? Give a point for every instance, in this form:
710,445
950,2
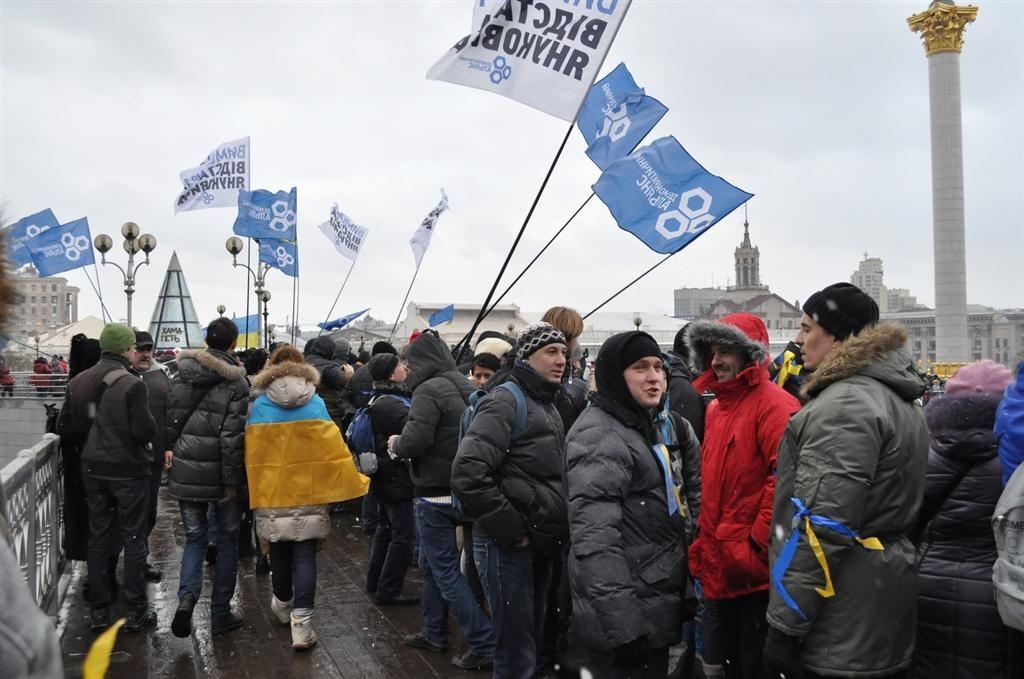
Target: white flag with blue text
216,181
543,53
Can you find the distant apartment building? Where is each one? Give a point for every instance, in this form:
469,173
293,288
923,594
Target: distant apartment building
997,334
43,305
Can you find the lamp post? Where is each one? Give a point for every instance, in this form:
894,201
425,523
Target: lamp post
511,329
133,242
234,246
265,297
221,309
637,321
36,338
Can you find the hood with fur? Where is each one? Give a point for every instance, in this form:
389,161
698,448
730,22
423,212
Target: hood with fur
745,334
877,352
288,384
207,367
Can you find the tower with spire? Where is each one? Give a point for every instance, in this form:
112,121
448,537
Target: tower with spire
748,262
175,324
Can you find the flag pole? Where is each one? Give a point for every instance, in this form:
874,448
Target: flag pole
338,296
406,299
103,307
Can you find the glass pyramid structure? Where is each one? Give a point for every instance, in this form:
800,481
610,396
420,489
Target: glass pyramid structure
175,324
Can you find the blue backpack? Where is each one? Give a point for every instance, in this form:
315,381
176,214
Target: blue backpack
474,401
360,435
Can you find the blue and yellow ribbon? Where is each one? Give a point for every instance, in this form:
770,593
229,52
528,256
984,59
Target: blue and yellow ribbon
788,366
789,550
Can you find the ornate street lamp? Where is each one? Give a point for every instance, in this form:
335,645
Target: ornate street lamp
234,246
221,309
265,297
133,243
637,321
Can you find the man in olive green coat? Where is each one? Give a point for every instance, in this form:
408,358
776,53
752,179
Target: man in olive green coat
851,474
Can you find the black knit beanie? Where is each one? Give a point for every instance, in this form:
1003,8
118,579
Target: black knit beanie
381,366
842,309
383,347
640,345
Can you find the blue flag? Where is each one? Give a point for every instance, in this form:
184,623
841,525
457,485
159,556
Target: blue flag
338,323
262,214
664,197
442,316
280,254
24,230
616,116
58,250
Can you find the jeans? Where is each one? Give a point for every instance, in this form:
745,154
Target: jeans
225,571
124,502
517,582
286,558
733,635
155,474
444,585
391,553
370,511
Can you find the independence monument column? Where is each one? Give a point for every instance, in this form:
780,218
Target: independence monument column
942,28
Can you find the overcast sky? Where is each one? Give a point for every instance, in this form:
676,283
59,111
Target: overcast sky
818,108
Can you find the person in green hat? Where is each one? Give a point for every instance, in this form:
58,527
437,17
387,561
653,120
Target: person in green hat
107,406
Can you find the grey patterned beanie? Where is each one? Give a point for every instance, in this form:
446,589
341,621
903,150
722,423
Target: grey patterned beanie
537,335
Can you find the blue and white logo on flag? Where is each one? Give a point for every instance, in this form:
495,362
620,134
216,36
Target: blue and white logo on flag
442,316
280,254
262,214
616,116
63,249
664,197
338,323
25,229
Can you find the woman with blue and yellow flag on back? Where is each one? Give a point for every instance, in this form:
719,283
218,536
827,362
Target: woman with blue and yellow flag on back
851,476
297,464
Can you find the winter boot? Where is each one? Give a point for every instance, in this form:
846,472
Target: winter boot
303,636
282,609
181,625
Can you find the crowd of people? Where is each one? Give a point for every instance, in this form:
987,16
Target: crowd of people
799,516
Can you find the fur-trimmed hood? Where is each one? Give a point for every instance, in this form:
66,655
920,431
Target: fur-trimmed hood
744,333
287,384
207,367
877,352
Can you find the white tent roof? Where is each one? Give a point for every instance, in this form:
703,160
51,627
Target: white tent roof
90,326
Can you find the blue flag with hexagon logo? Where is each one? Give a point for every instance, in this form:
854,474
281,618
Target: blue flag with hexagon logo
616,116
58,250
262,214
280,254
24,230
664,197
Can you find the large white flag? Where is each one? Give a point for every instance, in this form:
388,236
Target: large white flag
347,236
545,53
215,182
420,240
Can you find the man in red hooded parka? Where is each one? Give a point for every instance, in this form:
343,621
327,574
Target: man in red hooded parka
744,425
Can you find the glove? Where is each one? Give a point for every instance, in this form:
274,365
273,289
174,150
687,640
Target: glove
782,655
633,654
230,493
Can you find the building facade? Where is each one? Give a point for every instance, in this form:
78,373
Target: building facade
44,305
996,334
870,277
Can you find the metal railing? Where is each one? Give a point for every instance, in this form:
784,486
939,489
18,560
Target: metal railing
33,385
34,488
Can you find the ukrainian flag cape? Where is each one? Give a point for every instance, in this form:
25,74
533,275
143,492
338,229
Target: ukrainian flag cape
296,457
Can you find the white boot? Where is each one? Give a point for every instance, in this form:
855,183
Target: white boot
282,609
303,636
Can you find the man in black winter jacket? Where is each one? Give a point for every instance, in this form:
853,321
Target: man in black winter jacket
205,441
683,399
429,440
108,406
511,486
321,353
158,386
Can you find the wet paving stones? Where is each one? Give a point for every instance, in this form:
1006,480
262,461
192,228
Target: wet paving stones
357,638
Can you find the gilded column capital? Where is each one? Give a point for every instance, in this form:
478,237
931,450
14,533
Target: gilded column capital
942,26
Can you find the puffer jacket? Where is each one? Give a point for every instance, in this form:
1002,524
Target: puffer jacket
1009,426
333,385
391,483
289,387
158,385
959,632
206,425
743,427
857,455
627,556
682,397
360,387
514,488
117,443
439,396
